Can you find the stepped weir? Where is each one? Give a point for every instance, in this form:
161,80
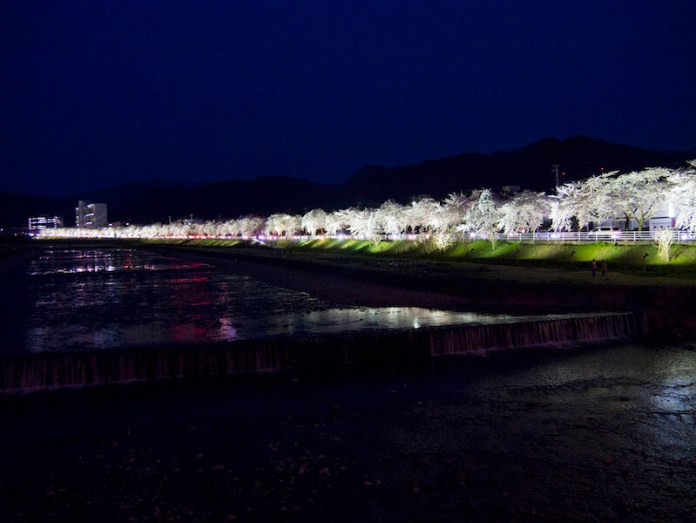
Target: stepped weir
370,349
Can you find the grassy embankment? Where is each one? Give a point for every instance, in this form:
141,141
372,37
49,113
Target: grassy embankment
625,256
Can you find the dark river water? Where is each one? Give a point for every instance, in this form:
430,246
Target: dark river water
602,433
82,299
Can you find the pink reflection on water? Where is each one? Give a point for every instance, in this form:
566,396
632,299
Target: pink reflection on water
187,333
76,261
153,300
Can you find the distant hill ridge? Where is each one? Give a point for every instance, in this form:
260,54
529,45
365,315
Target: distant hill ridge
529,167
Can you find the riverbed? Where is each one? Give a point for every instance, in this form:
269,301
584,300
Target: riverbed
604,433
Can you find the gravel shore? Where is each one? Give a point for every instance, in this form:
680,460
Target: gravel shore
603,434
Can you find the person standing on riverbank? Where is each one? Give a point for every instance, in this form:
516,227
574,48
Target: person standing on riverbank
604,268
594,267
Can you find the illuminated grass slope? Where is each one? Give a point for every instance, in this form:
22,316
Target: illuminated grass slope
555,254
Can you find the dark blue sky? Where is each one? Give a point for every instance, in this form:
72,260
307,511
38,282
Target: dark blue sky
96,93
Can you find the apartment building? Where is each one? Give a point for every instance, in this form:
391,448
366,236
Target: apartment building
90,215
39,223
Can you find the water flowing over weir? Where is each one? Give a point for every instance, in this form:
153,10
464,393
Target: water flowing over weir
500,336
370,349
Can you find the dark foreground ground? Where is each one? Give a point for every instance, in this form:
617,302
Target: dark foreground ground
595,434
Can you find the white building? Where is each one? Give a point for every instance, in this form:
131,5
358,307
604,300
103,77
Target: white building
39,223
664,218
90,215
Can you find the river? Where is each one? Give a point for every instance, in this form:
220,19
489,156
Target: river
79,299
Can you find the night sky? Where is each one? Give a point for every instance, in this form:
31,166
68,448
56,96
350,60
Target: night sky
96,93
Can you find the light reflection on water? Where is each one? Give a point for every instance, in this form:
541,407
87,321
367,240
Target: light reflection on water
80,299
79,335
71,261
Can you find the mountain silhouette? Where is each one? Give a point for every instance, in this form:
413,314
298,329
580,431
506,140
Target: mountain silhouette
530,167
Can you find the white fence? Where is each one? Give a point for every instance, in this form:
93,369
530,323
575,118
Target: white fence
607,236
533,237
545,236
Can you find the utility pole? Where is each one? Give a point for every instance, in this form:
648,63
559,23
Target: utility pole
555,169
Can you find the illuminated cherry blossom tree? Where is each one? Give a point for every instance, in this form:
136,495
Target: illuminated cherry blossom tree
337,222
639,195
426,214
455,207
391,218
282,224
683,197
360,223
314,221
250,225
524,212
483,216
586,200
664,238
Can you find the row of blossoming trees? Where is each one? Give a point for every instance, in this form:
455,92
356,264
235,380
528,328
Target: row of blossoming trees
635,196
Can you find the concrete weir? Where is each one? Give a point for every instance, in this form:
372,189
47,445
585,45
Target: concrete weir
369,349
